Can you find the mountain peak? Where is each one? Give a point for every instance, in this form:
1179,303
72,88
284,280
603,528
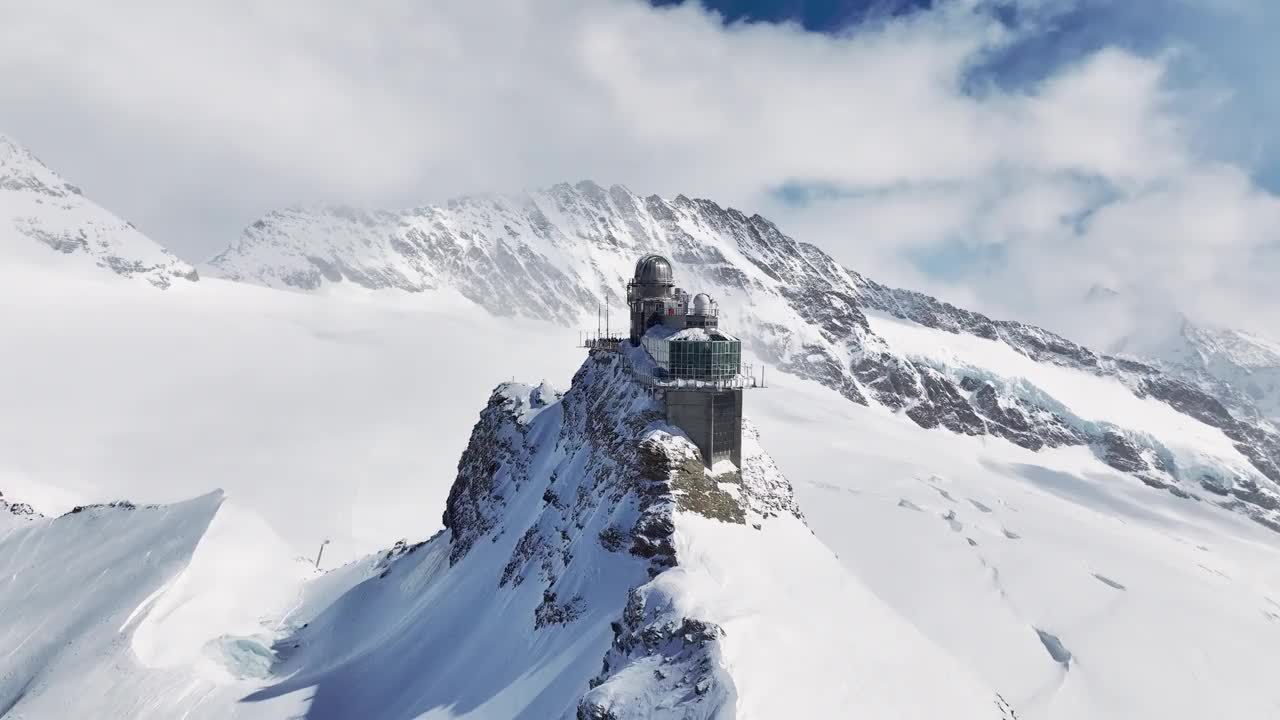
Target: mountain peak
36,204
20,170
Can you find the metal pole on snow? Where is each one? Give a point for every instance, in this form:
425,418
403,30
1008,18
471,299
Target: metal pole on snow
321,553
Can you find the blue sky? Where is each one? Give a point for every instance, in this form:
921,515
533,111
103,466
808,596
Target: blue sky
1222,47
1218,61
814,15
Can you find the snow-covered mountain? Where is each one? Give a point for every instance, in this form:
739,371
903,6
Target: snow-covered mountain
590,568
42,214
1240,367
1246,362
966,525
563,253
584,540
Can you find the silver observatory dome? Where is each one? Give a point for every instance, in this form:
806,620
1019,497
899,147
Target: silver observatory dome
654,270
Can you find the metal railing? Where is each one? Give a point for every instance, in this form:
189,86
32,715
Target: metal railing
609,343
737,382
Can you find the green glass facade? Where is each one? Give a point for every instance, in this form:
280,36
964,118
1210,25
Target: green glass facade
719,358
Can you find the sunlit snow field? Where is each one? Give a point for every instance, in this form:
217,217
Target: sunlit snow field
1073,590
1169,608
332,417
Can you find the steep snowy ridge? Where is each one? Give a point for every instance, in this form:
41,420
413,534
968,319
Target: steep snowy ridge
76,582
37,207
1240,368
592,569
562,253
1246,363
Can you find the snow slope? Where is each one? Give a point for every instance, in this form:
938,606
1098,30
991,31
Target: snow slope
582,529
1168,607
147,612
1086,399
590,569
337,418
42,216
71,587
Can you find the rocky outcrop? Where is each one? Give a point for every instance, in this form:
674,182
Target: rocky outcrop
17,509
612,480
656,652
494,463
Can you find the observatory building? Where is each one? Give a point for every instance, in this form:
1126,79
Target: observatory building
698,367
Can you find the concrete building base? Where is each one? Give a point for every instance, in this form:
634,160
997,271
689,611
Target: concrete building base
712,419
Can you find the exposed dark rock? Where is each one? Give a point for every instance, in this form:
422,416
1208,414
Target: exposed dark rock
551,612
1121,453
528,545
944,405
114,504
1250,492
686,652
1188,400
613,539
496,448
695,490
19,509
893,382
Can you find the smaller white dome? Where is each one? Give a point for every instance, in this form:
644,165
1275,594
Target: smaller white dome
702,304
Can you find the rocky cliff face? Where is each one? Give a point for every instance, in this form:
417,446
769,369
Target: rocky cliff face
563,253
38,205
610,477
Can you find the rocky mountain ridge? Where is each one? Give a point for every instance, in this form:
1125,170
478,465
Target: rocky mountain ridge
563,253
575,537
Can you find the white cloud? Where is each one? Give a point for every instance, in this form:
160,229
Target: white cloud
193,119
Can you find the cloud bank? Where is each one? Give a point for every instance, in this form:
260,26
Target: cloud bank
893,144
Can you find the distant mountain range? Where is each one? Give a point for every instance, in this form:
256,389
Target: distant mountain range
563,253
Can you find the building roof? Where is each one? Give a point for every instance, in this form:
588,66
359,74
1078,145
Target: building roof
670,334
